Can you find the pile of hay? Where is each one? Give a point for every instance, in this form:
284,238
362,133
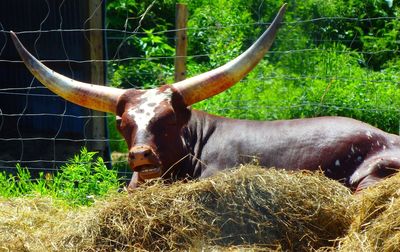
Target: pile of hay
37,224
270,208
249,207
376,226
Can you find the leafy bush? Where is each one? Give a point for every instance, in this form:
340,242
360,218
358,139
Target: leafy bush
329,58
79,181
152,52
149,71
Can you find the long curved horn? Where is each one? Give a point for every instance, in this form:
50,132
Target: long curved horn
208,84
91,96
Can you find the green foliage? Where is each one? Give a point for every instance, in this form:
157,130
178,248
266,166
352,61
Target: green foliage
336,85
152,64
15,185
223,26
151,70
82,178
331,57
78,182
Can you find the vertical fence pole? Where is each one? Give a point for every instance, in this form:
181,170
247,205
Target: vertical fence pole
96,49
181,41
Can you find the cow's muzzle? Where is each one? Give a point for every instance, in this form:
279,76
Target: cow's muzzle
143,159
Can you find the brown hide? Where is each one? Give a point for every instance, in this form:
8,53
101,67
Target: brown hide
185,143
345,149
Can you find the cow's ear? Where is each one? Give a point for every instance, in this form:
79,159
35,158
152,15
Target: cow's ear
184,115
181,111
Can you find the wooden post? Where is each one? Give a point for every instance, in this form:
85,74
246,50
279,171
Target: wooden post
181,41
96,47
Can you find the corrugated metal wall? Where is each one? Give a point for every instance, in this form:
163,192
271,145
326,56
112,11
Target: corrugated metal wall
37,128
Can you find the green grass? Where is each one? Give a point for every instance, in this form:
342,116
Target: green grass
80,181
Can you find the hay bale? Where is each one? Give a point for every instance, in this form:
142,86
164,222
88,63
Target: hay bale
264,207
36,224
376,225
245,209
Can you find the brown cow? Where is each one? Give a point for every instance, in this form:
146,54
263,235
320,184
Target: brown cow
168,139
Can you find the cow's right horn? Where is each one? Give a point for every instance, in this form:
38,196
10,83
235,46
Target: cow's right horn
208,84
91,96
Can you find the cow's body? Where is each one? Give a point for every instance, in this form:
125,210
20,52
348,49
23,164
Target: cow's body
342,148
167,139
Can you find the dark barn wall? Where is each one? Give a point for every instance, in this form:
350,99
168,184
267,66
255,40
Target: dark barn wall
37,128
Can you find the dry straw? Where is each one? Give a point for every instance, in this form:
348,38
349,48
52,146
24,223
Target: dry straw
37,224
247,208
376,226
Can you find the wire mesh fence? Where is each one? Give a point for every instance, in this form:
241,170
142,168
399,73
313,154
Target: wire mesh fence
41,131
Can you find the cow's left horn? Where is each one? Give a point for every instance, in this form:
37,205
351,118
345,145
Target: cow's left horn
91,96
208,84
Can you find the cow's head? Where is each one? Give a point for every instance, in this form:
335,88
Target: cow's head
151,121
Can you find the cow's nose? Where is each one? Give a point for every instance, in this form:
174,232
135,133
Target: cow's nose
141,154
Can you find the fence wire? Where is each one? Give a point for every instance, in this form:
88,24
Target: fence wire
21,140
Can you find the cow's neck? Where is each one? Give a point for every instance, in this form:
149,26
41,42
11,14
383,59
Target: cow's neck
200,136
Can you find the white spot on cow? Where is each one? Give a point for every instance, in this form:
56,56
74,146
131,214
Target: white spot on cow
146,110
359,158
384,147
356,174
337,162
378,143
369,135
